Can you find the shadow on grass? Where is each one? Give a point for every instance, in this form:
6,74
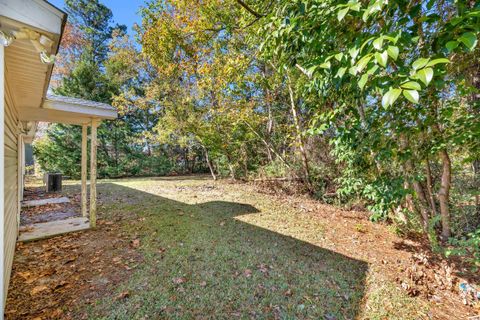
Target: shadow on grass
202,262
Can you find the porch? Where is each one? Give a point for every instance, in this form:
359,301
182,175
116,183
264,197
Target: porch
30,34
47,214
73,111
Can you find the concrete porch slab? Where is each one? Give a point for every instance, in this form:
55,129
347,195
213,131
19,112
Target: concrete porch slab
42,202
45,230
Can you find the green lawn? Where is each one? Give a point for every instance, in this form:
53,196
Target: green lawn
223,251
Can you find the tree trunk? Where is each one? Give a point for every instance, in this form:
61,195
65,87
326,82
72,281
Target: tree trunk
300,140
185,160
194,162
476,183
209,163
422,203
269,130
475,97
431,198
245,161
230,168
268,146
363,119
232,171
444,194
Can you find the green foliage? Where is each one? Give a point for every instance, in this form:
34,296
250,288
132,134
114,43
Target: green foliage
110,69
380,77
384,194
95,21
372,101
275,169
51,157
468,247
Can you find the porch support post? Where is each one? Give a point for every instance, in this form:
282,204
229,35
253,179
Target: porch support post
84,169
93,174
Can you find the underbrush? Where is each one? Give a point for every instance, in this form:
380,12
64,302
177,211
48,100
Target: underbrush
467,247
382,198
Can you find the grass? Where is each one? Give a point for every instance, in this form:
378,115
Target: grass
221,251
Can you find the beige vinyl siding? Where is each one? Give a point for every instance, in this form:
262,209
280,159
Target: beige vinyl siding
11,186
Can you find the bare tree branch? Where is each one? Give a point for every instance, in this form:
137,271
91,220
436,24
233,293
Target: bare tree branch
247,7
305,72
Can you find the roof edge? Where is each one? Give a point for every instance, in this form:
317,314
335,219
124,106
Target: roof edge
79,102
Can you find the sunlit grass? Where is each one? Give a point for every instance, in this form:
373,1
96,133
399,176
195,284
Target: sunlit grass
220,251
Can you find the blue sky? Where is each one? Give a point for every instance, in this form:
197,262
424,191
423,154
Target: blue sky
124,11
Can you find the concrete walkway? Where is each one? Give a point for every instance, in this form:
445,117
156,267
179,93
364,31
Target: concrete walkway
42,202
44,230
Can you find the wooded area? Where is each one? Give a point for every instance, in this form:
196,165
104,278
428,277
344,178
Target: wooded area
374,102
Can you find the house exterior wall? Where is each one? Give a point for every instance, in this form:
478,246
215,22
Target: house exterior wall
2,167
11,193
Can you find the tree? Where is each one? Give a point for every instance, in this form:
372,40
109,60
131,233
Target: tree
71,48
92,29
95,21
380,77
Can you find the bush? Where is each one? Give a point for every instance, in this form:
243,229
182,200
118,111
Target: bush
274,169
467,247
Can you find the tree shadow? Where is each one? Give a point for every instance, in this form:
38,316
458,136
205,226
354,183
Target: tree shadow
202,261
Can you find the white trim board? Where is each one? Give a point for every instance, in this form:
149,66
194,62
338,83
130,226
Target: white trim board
2,179
36,13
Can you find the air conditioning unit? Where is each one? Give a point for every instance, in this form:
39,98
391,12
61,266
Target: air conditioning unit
53,181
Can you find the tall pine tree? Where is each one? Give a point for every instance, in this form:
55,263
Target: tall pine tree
88,80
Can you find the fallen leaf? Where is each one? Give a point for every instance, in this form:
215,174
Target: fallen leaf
136,243
123,295
70,259
56,314
38,289
179,280
263,268
60,284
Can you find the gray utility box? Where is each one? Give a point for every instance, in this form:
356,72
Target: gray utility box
53,181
